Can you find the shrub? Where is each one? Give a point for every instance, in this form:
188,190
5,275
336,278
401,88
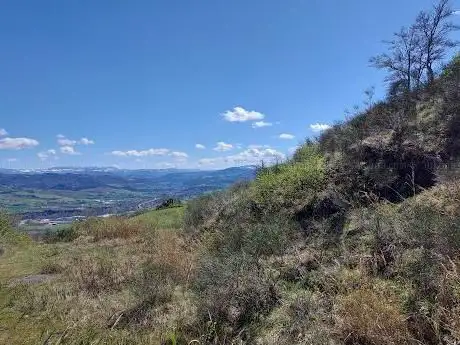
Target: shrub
270,236
199,211
5,224
233,292
169,203
51,268
169,252
66,234
290,186
154,285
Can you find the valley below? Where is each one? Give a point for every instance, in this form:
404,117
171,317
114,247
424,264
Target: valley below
44,199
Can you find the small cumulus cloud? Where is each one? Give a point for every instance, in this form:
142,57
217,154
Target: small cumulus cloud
286,136
178,154
247,157
142,153
200,146
66,142
86,141
3,132
239,114
319,127
258,146
260,124
44,155
69,150
222,146
17,143
12,160
208,161
63,141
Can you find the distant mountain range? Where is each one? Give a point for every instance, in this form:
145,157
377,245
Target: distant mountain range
101,190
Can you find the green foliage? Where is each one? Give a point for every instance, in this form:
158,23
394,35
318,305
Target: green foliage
169,218
306,152
169,203
233,292
291,185
270,236
154,285
198,210
5,224
65,234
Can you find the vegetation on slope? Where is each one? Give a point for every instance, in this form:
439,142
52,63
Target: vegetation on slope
354,240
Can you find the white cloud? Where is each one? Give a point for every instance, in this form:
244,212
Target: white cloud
221,147
456,13
291,150
208,161
69,150
319,127
143,153
246,157
200,146
17,143
286,136
255,154
44,155
178,154
86,141
239,114
63,141
3,132
258,146
12,160
260,124
66,142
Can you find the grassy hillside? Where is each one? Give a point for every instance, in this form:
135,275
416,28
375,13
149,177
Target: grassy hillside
74,292
354,240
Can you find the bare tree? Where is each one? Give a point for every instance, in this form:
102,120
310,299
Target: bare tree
415,51
401,60
433,28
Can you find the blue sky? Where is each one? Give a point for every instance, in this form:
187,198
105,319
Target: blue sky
139,84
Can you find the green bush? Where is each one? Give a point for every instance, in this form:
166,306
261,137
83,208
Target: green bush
66,234
5,224
270,236
198,211
233,292
154,285
290,186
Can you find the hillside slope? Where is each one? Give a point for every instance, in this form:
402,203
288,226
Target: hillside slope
354,240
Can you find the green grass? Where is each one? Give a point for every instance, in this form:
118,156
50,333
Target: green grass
170,218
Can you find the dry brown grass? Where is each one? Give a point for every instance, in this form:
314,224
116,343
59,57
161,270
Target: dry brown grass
110,228
99,272
372,316
168,249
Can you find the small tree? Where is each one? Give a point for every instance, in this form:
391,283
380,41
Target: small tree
415,51
401,60
433,29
